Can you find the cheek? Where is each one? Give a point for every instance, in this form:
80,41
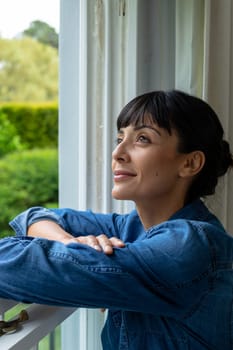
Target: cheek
163,167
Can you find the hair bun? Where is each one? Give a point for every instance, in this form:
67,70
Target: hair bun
226,158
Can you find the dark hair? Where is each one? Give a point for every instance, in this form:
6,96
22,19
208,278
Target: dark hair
197,126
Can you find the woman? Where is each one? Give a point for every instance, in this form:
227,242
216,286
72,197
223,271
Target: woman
164,270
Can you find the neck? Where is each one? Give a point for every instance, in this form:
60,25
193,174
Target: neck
152,214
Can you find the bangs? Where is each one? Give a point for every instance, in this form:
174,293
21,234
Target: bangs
146,108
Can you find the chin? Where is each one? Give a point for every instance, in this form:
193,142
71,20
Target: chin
116,196
120,195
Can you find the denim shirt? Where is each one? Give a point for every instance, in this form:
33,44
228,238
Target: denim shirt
170,287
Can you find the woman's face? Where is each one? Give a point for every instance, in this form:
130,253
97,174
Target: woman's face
146,164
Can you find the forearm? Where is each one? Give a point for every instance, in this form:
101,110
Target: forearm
49,230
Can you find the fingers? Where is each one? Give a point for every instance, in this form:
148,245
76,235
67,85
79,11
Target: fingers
90,240
101,242
107,244
116,242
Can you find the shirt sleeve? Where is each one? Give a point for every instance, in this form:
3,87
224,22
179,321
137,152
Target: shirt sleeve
75,222
166,273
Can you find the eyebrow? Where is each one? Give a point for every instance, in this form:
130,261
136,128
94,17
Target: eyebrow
142,126
145,126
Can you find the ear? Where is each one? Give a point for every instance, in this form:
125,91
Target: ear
192,164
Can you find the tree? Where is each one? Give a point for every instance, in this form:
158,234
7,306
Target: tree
43,33
28,70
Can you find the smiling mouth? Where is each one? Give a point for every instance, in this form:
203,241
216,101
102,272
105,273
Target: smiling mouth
122,175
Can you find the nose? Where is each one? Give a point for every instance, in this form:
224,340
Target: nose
121,153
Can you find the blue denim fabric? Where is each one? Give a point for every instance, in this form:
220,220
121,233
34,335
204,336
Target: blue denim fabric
171,287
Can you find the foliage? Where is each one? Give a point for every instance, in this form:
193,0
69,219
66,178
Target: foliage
28,70
42,32
9,138
27,178
35,124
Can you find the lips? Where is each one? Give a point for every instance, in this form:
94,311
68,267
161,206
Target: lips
122,175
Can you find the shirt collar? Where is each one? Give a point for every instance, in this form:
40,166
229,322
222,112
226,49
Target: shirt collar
195,210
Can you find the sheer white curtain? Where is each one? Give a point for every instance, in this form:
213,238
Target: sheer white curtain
218,88
110,51
203,67
189,47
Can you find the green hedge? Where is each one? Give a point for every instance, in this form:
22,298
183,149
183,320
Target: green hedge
27,178
9,138
36,123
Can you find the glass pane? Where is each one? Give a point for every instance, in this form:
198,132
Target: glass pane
28,115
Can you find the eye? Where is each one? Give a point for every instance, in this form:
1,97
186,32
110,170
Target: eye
118,140
143,139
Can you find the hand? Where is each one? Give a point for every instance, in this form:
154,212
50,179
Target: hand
100,243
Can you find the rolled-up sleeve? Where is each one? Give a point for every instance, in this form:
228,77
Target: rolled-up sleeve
22,221
73,221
